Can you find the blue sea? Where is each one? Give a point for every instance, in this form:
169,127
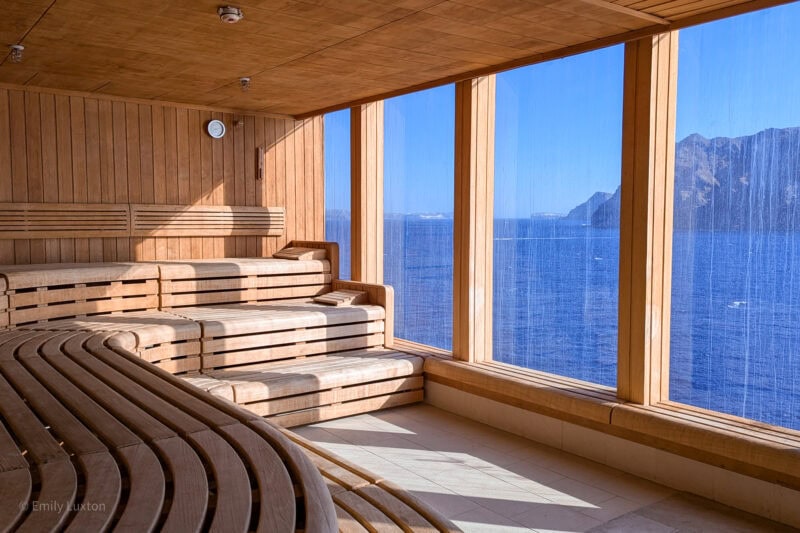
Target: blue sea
735,323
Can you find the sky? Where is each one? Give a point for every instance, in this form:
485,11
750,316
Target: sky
558,124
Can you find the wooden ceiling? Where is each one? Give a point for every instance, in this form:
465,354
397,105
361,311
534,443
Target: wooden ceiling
305,56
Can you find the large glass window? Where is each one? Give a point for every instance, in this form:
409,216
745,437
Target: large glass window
735,341
337,185
556,228
418,210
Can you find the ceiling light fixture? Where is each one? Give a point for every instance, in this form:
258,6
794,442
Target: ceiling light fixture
16,53
244,83
230,14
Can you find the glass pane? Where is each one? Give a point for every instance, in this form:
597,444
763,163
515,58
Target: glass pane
337,185
418,210
556,228
735,342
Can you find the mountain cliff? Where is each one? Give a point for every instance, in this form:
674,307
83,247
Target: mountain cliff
584,211
741,183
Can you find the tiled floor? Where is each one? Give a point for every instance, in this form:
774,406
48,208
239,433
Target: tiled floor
487,480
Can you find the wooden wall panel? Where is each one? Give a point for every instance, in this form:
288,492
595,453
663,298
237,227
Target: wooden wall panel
82,149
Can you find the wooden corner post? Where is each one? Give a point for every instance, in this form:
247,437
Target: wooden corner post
645,270
473,224
366,174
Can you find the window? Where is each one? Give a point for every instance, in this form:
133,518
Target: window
418,211
337,185
735,340
556,228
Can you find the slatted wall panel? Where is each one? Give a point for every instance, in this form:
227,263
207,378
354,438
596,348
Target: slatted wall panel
75,149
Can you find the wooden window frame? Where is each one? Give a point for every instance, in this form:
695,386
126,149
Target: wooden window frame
648,170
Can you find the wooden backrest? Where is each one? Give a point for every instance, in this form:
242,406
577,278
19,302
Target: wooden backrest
37,293
226,281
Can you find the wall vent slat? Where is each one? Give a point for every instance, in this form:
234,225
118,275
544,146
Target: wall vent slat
51,221
206,221
46,221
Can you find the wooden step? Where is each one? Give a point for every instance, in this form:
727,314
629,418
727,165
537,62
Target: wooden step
185,284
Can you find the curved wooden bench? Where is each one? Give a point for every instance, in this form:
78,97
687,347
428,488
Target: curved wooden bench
94,437
365,502
94,434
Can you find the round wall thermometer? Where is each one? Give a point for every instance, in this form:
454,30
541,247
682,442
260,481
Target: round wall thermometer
215,128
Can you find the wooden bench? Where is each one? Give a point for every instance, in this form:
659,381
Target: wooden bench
267,346
102,297
91,413
245,329
93,437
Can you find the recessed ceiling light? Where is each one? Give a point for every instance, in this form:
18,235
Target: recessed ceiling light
16,53
230,14
244,83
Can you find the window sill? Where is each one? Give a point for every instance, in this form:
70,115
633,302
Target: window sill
761,451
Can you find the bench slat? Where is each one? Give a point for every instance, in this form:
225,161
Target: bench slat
100,421
15,486
277,510
73,294
50,411
237,267
327,412
101,494
59,488
21,316
292,336
290,351
251,385
320,514
169,301
11,457
146,490
396,509
27,276
189,497
347,523
107,397
147,403
366,513
245,319
341,476
340,395
245,282
149,392
28,429
420,506
234,499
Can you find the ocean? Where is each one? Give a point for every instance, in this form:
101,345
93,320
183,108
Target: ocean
735,321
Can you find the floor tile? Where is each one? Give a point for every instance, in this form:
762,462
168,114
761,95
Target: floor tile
486,480
482,520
